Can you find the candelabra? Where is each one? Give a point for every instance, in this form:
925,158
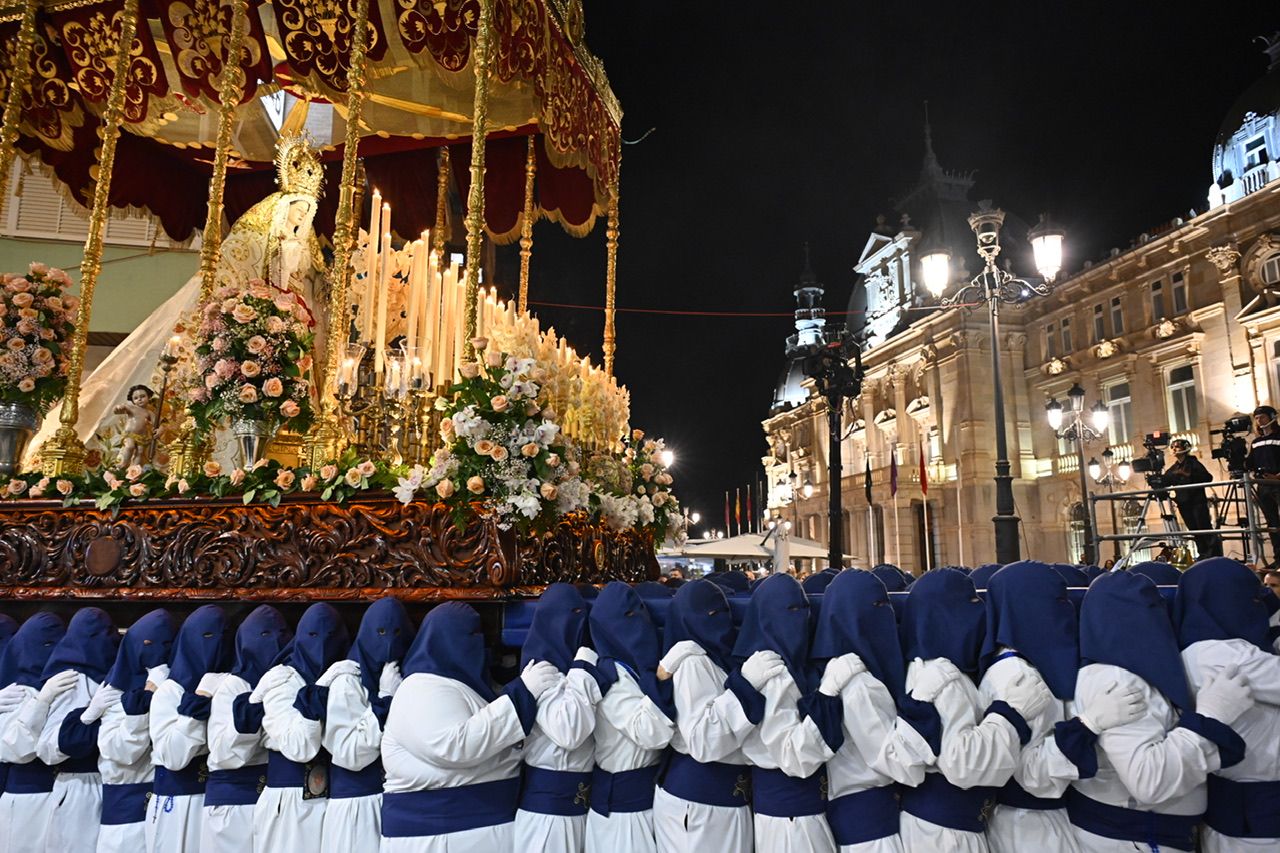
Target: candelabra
390,413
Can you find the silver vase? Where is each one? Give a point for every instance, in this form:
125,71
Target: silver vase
18,422
251,441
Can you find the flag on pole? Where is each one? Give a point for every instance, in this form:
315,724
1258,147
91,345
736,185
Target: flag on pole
893,473
737,508
726,512
751,511
866,481
924,474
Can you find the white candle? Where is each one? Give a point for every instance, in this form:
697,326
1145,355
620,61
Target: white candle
370,267
431,319
384,284
448,293
415,286
460,315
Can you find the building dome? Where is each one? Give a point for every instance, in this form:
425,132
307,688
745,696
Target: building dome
1246,154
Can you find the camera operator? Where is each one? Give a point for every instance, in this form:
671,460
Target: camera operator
1263,462
1193,504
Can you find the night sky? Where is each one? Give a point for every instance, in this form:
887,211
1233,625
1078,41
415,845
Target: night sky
777,124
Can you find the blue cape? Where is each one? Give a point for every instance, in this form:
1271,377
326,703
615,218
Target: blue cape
981,575
320,641
856,617
816,583
1124,622
778,620
1221,599
384,636
450,644
1073,575
652,589
944,618
1091,572
891,577
1028,611
558,628
8,627
700,612
623,631
24,657
1161,574
146,644
261,637
734,581
88,647
204,645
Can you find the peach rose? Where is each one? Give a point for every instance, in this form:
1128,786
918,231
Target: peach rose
284,303
113,482
248,394
212,469
133,473
53,303
138,489
237,476
548,491
499,453
72,304
493,358
273,387
17,487
500,403
475,485
446,427
289,409
183,486
530,450
275,325
444,488
258,289
308,483
285,478
637,434
41,356
353,477
553,460
484,446
470,370
367,468
242,313
65,487
256,344
17,344
328,472
549,414
479,343
250,368
26,385
22,300
37,268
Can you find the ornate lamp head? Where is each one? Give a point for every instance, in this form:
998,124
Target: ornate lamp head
298,168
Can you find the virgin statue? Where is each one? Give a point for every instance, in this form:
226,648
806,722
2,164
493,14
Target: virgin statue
273,241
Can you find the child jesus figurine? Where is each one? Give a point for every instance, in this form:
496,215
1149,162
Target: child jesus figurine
139,425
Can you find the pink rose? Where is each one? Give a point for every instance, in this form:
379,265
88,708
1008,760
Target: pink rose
304,363
548,491
250,368
72,304
499,453
18,285
553,460
134,472
285,478
469,370
237,476
17,487
479,343
493,358
26,385
530,450
64,487
138,489
42,356
284,302
211,380
53,303
367,468
258,289
22,300
273,387
183,487
113,482
219,344
500,403
308,483
38,268
242,313
225,369
275,325
248,394
475,485
289,409
256,344
328,472
353,477
444,488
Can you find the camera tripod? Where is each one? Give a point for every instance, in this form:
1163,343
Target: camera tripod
1173,531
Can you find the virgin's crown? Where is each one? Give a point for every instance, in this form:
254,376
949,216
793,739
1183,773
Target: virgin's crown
298,169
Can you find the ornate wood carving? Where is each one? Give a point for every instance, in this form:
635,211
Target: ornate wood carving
303,549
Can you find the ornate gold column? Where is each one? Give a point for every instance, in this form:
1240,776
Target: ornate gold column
324,442
438,241
229,89
19,76
475,198
526,225
63,454
611,271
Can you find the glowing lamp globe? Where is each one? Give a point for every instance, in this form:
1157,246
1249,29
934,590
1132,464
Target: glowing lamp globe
935,267
1046,244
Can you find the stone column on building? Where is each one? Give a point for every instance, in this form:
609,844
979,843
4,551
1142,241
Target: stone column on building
1226,258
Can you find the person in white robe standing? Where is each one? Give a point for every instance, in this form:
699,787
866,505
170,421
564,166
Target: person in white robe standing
1149,790
1032,634
289,815
179,730
28,796
359,693
451,745
703,800
559,752
787,750
634,723
122,710
1222,617
943,626
8,627
237,757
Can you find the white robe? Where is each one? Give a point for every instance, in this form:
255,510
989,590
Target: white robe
1259,726
174,821
442,734
1042,771
77,797
710,727
785,741
24,818
561,739
1148,764
229,829
283,820
353,737
977,751
124,758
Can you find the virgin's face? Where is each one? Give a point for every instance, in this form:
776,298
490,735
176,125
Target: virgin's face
297,213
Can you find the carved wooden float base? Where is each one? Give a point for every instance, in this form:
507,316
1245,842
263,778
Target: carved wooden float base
303,550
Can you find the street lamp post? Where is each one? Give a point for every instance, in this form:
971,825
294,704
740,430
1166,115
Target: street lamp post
1080,432
1116,474
997,286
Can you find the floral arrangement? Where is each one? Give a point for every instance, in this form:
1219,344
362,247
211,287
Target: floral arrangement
633,488
502,449
252,358
37,319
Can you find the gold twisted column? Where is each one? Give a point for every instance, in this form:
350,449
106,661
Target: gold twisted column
324,442
442,208
229,89
475,198
526,225
63,454
611,273
19,76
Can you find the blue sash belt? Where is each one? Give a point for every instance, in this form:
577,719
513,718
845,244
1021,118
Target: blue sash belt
1244,809
555,792
709,783
1015,796
86,764
238,787
32,777
775,794
628,791
123,804
181,783
345,784
1121,824
864,816
4,776
421,814
283,773
939,802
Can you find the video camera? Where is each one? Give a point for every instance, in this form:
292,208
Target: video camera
1151,463
1232,447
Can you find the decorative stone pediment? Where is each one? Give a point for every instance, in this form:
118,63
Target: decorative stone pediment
1166,329
1056,366
1106,349
886,421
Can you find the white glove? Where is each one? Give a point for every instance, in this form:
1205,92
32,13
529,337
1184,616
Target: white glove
271,679
12,697
587,655
1028,695
390,679
678,653
158,674
209,683
762,667
342,667
931,677
1225,696
540,676
839,672
56,685
101,701
1114,707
